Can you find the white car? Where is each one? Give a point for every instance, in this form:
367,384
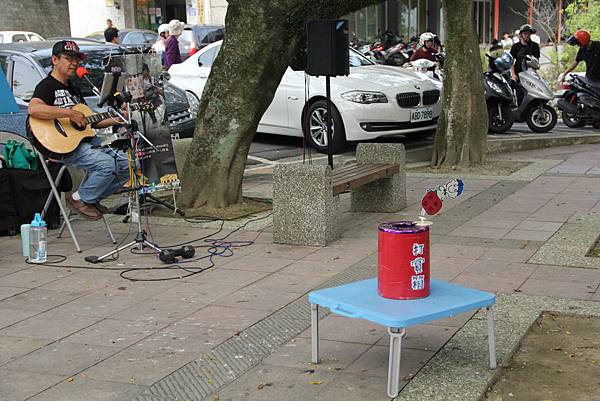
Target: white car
19,36
373,101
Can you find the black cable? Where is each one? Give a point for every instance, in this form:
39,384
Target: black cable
214,247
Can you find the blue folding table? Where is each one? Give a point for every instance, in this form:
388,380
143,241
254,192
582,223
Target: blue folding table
360,300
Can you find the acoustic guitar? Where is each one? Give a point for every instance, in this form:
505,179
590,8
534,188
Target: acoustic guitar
61,136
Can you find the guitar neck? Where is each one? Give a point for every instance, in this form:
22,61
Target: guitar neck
95,118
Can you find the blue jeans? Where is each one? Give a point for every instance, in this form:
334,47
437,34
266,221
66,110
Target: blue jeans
106,172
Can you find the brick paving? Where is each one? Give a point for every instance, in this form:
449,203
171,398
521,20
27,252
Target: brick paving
74,333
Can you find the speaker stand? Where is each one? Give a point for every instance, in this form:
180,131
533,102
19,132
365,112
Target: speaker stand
328,119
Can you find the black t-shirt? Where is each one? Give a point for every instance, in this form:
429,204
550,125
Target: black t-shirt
55,93
591,55
519,51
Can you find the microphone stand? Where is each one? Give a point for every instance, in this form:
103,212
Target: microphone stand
138,189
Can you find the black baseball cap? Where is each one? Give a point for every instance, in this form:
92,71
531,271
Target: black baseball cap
67,47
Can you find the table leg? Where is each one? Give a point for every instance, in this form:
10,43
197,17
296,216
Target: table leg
394,361
314,332
491,337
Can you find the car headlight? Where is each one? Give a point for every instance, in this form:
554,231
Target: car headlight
365,97
194,104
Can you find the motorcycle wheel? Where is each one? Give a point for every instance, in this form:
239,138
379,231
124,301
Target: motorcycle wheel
499,124
571,120
541,118
317,135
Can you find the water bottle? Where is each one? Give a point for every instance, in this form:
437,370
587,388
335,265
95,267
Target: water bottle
38,235
25,239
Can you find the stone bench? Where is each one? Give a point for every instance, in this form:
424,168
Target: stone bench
306,207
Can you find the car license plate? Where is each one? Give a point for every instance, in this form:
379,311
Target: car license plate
422,114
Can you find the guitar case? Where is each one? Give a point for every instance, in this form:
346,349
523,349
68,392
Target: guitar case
30,189
9,221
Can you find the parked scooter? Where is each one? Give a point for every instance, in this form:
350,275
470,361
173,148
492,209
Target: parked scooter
580,104
533,95
498,93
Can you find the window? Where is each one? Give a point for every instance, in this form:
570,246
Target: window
209,56
1,38
35,38
19,38
3,64
150,37
25,77
134,38
357,59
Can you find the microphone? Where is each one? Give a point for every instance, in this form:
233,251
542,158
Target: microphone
83,73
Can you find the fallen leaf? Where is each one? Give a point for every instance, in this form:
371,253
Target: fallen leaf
316,382
309,371
557,348
70,379
568,333
263,385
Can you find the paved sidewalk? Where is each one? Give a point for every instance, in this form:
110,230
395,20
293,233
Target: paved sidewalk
75,333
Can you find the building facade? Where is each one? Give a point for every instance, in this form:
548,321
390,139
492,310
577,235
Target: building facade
46,17
89,16
406,18
409,18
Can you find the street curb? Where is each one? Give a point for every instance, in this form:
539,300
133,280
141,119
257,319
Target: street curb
519,144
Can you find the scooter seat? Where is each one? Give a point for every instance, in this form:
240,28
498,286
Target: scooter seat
593,83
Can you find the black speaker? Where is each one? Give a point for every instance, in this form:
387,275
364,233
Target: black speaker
327,48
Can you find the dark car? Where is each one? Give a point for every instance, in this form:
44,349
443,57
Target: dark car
26,64
203,35
138,39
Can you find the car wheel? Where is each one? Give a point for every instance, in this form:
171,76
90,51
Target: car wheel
317,128
500,118
542,118
571,120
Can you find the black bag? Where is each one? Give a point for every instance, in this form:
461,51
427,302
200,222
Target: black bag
30,190
9,221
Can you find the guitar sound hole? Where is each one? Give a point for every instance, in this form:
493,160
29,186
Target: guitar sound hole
77,127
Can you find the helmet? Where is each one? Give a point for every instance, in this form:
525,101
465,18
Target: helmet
163,28
527,28
581,37
425,37
504,62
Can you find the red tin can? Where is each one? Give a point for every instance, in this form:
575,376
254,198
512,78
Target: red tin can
403,260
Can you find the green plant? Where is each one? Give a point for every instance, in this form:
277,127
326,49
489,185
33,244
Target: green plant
578,15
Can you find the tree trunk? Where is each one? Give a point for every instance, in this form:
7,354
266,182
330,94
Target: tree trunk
244,78
462,128
262,38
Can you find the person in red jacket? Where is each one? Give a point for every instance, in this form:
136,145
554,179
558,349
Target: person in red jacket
427,49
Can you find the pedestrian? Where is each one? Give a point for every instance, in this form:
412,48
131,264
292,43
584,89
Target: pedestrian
523,48
161,43
426,49
506,41
111,35
589,51
172,53
109,31
515,38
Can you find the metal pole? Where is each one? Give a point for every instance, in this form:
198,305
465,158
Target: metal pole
559,18
496,17
329,127
530,19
